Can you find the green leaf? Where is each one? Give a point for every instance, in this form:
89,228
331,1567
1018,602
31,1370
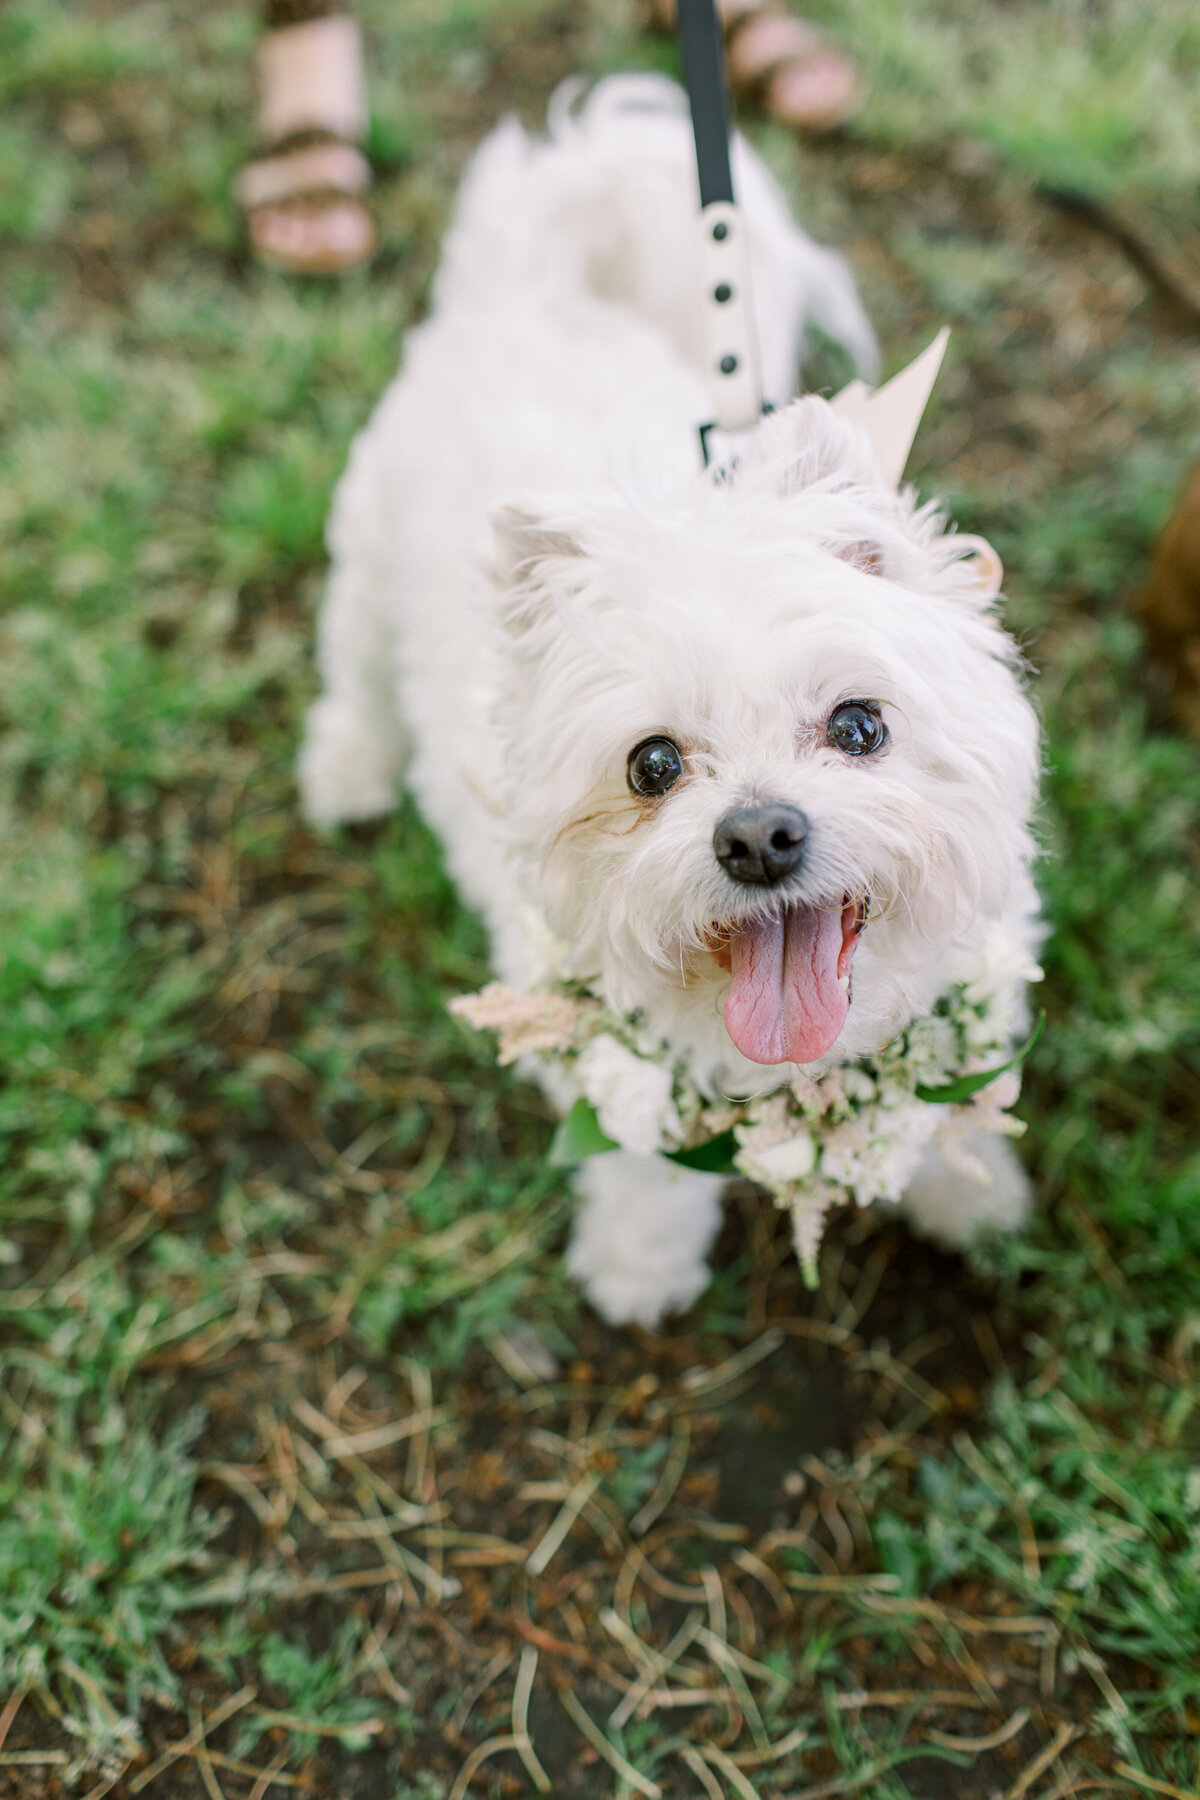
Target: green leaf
716,1155
966,1085
578,1136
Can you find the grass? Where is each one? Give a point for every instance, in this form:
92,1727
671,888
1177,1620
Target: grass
302,1431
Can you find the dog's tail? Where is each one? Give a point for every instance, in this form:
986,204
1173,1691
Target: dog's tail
607,204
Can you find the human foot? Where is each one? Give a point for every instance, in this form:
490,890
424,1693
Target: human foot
797,74
303,197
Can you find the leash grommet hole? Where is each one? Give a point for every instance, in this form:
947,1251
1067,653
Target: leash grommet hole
722,292
720,231
727,365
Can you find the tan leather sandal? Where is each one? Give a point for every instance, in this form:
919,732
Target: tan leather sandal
303,197
789,66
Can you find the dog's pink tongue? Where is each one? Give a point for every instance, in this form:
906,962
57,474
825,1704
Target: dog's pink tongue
785,1003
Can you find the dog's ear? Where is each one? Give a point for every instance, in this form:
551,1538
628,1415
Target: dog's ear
805,445
983,562
862,555
522,539
525,543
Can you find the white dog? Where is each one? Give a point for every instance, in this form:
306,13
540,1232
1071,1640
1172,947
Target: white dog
680,732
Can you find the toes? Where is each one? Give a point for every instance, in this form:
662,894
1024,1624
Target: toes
319,237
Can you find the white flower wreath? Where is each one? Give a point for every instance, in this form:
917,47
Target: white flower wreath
833,1135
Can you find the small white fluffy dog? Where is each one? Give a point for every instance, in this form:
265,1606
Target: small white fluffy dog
678,731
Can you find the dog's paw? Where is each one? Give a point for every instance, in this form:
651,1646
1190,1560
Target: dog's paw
637,1296
347,770
642,1235
951,1207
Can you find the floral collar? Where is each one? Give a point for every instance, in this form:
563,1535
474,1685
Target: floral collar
849,1133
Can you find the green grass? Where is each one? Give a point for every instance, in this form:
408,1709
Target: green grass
258,1192
1098,96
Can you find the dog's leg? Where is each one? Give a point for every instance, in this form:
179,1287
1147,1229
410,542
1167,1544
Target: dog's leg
353,746
642,1234
950,1207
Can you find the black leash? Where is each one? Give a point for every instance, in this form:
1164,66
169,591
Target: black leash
732,370
702,50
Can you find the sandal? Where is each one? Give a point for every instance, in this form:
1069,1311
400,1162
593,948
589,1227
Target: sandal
1169,605
788,65
302,198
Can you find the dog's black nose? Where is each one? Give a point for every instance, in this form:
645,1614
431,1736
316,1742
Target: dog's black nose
761,844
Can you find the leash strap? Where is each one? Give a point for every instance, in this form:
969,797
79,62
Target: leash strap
732,355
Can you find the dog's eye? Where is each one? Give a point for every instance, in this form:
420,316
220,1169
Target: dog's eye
856,729
654,766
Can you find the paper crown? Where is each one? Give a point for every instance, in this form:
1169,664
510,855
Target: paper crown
891,414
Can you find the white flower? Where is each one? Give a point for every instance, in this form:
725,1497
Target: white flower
845,1089
986,1111
808,1209
778,1165
932,1049
875,1155
524,1023
632,1097
808,1094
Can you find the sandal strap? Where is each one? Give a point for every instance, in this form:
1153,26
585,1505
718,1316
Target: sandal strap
296,174
311,78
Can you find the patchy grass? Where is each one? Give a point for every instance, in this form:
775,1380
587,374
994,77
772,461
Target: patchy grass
1092,95
313,1470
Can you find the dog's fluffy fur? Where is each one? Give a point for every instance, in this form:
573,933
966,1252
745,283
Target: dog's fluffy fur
532,574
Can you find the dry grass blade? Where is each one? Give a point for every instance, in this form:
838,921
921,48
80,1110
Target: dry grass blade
300,1588
967,1623
991,1740
1154,1786
674,1464
704,1775
846,1784
209,1722
208,1774
1083,1784
12,1707
32,1758
656,1664
476,1760
491,1673
627,1637
539,1558
715,1594
522,1689
867,1585
740,1783
313,1727
105,1786
756,1567
784,1746
706,1381
339,1444
667,1699
272,1777
749,1666
1030,1558
373,1657
1041,1762
608,1751
232,1477
721,1654
889,1697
